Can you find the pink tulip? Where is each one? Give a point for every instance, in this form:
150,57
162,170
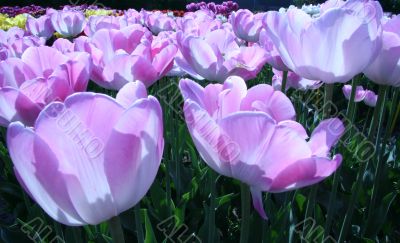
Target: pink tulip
334,47
158,22
41,76
11,34
68,23
293,81
63,45
197,26
133,16
125,55
40,27
15,41
246,25
385,69
359,95
275,155
331,4
273,57
370,98
210,58
163,40
92,157
97,22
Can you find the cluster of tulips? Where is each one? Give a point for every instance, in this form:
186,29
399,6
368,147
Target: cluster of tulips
85,157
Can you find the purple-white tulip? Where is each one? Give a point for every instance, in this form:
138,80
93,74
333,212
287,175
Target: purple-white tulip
359,95
97,22
246,25
370,98
158,22
293,81
68,23
273,57
15,41
41,76
210,58
40,27
275,155
334,47
385,69
125,55
91,157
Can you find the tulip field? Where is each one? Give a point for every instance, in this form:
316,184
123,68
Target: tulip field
214,124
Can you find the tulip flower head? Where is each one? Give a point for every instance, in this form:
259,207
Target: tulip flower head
210,58
333,47
275,155
385,69
102,154
68,23
41,76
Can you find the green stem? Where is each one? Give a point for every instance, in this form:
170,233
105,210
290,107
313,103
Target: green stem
351,110
376,120
314,189
76,232
211,213
245,224
138,224
116,230
328,100
396,116
309,209
284,81
378,170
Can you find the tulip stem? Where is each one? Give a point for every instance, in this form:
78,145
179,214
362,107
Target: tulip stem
351,108
245,224
376,121
116,230
211,212
138,223
391,121
327,100
284,81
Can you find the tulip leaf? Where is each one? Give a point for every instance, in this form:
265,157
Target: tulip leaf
150,236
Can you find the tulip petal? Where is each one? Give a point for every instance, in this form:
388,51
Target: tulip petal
326,135
258,204
133,153
304,172
43,60
131,92
21,143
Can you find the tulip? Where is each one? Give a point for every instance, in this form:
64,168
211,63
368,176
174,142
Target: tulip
96,23
102,154
15,41
68,23
158,22
275,155
124,55
293,81
63,45
41,76
197,25
246,25
359,95
40,27
273,57
209,58
385,69
334,47
370,98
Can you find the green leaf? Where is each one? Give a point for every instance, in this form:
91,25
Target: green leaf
150,236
